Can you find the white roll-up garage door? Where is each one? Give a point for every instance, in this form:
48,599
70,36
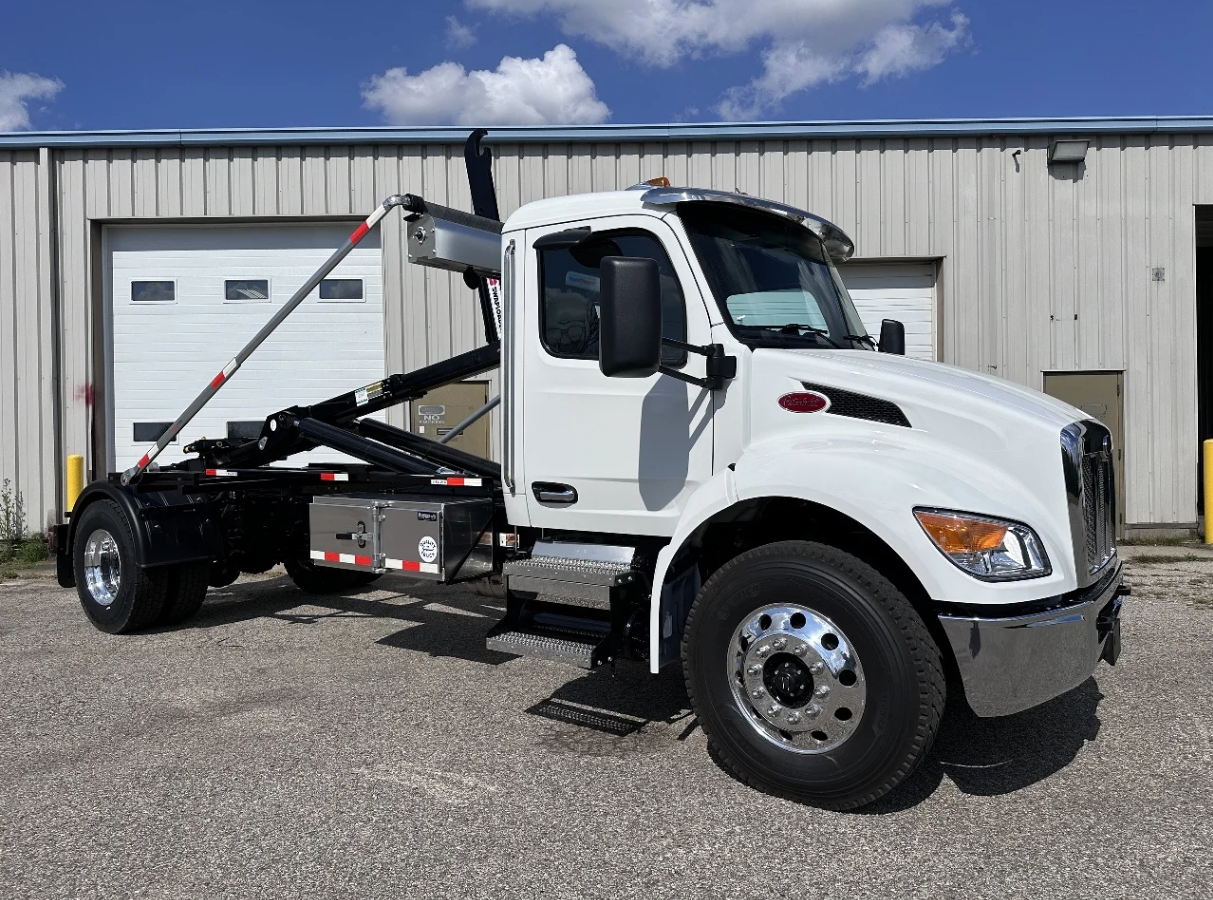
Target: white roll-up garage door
184,299
894,290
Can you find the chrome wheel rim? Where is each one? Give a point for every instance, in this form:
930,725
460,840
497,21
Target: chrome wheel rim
102,567
796,678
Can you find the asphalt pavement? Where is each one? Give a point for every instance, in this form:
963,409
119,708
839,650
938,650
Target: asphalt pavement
370,746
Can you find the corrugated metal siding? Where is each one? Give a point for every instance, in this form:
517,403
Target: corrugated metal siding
27,430
1041,269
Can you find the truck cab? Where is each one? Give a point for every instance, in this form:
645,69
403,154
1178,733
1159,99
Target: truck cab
988,506
705,461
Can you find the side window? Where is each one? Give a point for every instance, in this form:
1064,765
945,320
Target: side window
568,309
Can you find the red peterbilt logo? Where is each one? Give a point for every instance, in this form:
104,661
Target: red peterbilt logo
804,402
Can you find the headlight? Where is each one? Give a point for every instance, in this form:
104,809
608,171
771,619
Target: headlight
990,549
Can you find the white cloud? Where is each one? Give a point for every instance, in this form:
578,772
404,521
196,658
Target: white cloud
898,50
787,68
17,89
803,43
554,90
458,35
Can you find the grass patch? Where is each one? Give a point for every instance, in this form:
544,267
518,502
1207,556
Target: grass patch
1160,541
1163,559
21,554
19,549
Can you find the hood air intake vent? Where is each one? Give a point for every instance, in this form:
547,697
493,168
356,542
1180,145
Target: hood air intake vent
860,406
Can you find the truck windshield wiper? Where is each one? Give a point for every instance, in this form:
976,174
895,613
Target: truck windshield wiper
797,328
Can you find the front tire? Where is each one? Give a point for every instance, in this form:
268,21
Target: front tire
813,677
118,595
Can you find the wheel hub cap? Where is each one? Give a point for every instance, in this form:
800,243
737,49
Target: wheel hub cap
797,678
102,567
787,680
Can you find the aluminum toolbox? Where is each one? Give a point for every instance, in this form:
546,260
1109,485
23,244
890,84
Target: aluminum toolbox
429,538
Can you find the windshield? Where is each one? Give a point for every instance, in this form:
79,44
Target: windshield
772,278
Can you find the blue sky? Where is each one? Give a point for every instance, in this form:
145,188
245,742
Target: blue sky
88,65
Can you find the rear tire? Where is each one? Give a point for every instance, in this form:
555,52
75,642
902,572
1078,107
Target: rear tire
313,579
187,584
813,677
492,586
118,595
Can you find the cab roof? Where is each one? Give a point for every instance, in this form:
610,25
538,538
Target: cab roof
556,210
653,200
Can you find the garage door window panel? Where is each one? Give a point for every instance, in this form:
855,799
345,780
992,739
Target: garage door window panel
571,286
154,291
150,432
246,290
342,290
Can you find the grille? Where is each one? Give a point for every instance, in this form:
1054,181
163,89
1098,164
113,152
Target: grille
860,406
1098,508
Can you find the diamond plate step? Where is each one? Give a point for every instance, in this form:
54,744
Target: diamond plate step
570,581
559,647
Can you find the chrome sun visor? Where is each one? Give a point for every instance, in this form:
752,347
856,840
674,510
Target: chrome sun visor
837,244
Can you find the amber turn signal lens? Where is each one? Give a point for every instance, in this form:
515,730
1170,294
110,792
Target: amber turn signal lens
659,181
955,535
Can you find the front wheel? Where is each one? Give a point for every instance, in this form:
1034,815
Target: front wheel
812,676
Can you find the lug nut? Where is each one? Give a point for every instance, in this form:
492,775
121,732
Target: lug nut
817,668
763,650
823,691
773,710
756,693
812,710
753,670
779,643
799,649
793,718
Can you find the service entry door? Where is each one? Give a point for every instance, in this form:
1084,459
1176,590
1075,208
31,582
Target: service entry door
608,455
895,290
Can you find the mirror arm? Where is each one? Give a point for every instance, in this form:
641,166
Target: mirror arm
682,376
720,368
709,351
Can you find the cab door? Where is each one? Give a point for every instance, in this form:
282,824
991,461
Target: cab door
608,455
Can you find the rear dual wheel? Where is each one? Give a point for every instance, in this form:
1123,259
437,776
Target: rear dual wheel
813,677
313,579
117,594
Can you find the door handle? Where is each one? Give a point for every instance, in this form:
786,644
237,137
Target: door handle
360,535
550,492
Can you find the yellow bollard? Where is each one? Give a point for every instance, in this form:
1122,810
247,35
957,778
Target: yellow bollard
1209,492
75,478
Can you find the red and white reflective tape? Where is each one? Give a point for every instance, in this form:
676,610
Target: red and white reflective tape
334,476
458,482
347,558
371,221
225,373
408,565
221,473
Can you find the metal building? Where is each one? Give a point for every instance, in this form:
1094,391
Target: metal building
1067,255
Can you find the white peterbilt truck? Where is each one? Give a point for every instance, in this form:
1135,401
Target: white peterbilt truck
705,460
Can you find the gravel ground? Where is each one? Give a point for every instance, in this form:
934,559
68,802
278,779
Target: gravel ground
370,746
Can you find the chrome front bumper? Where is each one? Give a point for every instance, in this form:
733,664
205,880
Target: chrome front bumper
1011,664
